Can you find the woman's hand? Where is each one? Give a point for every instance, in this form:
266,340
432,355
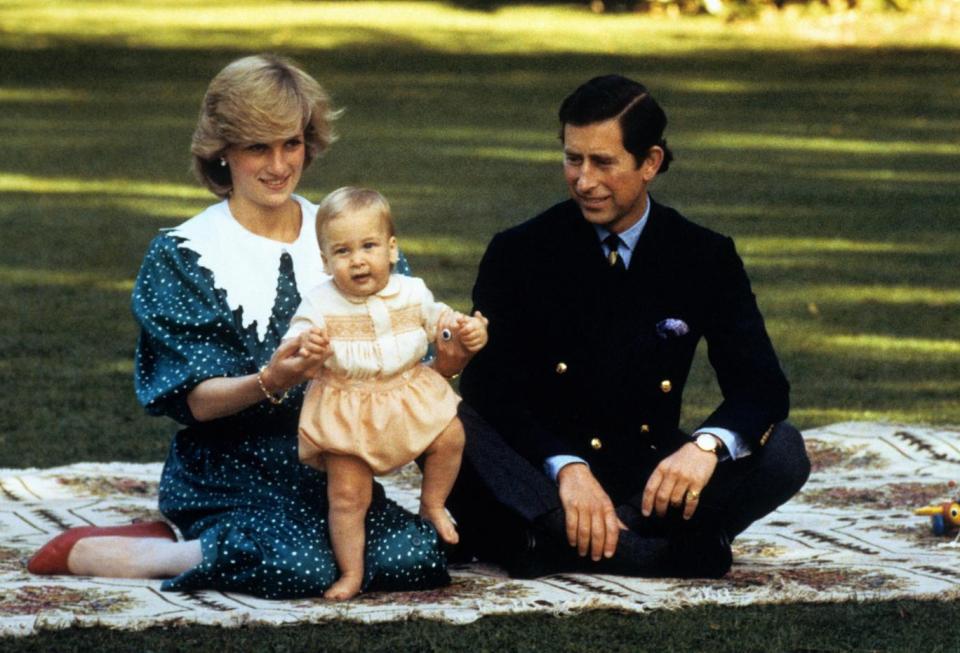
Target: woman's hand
296,360
223,396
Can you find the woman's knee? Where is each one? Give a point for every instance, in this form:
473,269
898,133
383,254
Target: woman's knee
411,560
274,560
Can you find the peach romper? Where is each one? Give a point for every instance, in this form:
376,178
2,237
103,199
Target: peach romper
374,398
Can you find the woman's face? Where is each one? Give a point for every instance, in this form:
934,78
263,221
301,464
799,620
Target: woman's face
264,175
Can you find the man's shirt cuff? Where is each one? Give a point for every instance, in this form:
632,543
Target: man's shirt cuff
735,447
554,464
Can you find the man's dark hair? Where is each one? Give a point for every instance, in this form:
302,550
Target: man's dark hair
642,121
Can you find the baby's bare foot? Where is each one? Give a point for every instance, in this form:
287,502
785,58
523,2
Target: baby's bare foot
345,588
442,522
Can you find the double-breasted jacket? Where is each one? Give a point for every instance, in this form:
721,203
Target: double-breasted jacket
588,360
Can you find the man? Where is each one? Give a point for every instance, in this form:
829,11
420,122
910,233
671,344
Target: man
574,458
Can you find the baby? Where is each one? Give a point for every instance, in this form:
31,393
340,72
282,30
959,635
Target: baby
375,406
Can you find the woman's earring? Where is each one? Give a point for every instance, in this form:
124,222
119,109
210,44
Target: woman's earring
223,162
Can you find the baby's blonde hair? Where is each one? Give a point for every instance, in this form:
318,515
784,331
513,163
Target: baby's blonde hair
348,199
258,99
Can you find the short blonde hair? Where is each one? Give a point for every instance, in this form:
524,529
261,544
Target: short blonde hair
258,99
350,198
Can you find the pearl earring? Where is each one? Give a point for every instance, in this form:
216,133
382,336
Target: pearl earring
223,162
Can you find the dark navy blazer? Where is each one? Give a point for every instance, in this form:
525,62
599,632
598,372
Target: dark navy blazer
576,363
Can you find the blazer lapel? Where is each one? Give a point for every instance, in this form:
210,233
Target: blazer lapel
652,244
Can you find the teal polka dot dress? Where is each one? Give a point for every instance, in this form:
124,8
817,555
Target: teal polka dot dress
213,300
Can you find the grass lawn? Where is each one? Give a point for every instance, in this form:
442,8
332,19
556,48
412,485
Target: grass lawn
837,170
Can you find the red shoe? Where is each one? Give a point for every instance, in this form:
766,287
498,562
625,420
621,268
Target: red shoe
51,559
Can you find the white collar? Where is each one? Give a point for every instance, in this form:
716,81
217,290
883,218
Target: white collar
246,266
390,290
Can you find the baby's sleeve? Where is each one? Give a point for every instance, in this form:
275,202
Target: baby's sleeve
307,316
431,311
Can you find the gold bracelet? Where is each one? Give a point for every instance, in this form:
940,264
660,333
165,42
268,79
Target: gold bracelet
276,401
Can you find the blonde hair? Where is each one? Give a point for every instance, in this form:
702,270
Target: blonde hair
258,99
350,198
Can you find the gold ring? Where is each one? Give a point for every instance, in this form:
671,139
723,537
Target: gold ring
692,495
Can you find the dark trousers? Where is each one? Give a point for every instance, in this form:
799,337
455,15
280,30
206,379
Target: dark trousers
500,496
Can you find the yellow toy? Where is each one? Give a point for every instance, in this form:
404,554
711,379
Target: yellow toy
944,517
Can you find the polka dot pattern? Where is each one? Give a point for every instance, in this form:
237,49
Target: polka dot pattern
236,483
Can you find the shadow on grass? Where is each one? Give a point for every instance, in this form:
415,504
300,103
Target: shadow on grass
835,170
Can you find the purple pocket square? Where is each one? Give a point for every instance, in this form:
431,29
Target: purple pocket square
672,327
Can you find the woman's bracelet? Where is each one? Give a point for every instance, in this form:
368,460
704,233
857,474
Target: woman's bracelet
272,398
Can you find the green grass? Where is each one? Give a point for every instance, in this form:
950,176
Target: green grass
893,626
835,168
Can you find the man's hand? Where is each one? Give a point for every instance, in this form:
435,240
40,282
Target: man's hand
592,524
678,480
453,354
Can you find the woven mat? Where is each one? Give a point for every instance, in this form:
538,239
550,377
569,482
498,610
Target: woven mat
850,534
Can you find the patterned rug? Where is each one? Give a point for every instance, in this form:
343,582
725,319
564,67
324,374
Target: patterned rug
851,534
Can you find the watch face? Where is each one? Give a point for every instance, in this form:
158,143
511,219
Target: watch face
706,442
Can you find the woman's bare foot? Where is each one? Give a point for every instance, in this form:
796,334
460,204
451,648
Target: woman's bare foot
345,588
442,522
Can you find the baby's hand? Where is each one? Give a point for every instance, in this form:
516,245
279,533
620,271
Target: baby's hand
315,345
472,331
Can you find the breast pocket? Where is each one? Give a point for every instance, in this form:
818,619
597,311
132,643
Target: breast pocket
673,344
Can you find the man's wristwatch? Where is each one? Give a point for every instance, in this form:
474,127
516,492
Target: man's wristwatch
710,443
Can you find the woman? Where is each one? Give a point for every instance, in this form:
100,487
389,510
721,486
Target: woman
213,298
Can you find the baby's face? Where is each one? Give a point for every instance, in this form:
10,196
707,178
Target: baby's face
358,251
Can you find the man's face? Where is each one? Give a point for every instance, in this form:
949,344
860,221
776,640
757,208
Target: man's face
603,177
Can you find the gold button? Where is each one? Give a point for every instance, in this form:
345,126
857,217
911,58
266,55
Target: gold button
666,386
561,367
644,428
595,443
